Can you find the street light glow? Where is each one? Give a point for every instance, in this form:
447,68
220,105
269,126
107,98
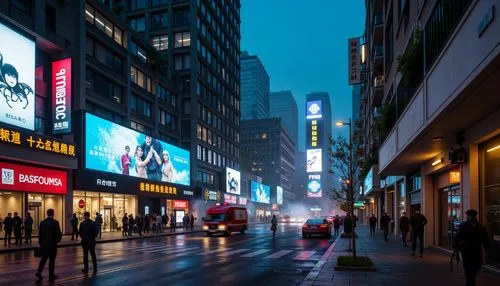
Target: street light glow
339,123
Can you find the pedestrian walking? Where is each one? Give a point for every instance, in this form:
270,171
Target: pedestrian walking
125,225
336,224
139,221
158,223
49,235
384,222
373,224
113,222
191,221
146,223
274,225
131,223
28,227
74,227
417,222
173,222
471,237
88,232
404,226
164,221
185,221
98,220
17,224
7,226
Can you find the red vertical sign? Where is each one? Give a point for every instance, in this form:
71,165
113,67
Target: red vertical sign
61,96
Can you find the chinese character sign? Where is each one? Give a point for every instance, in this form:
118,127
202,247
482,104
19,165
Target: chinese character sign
17,79
110,147
354,61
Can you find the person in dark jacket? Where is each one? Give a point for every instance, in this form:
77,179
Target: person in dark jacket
7,226
191,221
384,222
336,224
418,222
146,223
173,222
164,221
404,226
17,223
124,225
131,223
74,227
373,224
49,235
470,238
139,221
88,233
28,228
98,220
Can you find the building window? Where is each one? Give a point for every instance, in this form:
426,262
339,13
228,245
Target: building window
198,152
182,39
139,127
181,17
140,106
198,131
159,20
137,4
103,24
104,56
158,2
141,79
138,24
138,52
50,17
165,96
182,62
167,119
103,86
160,42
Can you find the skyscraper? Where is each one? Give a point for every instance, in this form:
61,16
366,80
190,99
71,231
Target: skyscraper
254,88
201,40
318,130
282,104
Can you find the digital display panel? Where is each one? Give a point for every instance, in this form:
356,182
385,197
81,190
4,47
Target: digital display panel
314,163
260,193
314,133
314,189
314,109
113,148
233,179
17,79
279,195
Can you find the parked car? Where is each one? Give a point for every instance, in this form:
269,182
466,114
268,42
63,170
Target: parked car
316,227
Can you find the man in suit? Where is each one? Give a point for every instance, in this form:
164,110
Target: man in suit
88,232
49,235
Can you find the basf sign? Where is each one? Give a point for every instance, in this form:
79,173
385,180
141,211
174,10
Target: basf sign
17,79
61,96
31,179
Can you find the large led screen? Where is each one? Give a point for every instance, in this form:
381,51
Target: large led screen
279,195
313,160
314,189
110,147
260,193
314,110
17,79
233,179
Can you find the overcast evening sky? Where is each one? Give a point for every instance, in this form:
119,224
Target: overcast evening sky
303,46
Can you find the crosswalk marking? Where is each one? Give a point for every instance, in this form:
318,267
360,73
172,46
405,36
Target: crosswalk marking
215,251
255,253
229,253
160,249
179,250
279,254
304,255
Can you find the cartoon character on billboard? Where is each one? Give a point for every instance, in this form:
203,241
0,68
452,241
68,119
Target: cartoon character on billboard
15,93
232,183
167,169
153,167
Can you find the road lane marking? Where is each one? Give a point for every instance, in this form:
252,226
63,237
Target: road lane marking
160,249
278,254
255,253
229,253
214,251
179,250
304,255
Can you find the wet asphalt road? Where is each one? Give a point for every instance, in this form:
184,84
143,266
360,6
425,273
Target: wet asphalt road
252,258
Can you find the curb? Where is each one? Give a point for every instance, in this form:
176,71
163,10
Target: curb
78,243
313,274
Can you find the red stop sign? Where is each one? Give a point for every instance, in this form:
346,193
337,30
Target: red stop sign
81,204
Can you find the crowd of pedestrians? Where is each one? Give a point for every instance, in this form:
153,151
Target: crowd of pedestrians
15,224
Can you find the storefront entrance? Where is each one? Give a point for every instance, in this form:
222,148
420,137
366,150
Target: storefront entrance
450,215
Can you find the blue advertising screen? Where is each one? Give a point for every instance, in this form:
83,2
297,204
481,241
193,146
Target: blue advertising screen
113,148
260,193
314,109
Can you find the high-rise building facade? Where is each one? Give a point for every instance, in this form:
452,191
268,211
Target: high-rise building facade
431,114
282,104
201,41
254,88
318,131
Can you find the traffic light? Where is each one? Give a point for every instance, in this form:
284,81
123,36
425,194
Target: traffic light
347,181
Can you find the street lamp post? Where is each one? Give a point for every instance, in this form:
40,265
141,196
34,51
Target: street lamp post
351,183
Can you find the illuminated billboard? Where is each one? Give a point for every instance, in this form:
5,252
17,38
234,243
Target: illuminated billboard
61,96
113,148
314,110
314,135
260,193
314,189
233,179
17,79
279,195
313,160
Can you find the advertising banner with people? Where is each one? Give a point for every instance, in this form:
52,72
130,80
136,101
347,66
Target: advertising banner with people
17,79
113,148
233,179
260,193
313,160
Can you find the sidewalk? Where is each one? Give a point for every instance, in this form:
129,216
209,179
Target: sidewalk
395,265
106,237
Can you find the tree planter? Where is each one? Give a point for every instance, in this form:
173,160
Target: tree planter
349,263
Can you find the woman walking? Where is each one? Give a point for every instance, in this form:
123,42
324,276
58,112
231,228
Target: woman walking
274,225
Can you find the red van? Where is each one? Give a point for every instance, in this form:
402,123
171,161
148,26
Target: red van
225,219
